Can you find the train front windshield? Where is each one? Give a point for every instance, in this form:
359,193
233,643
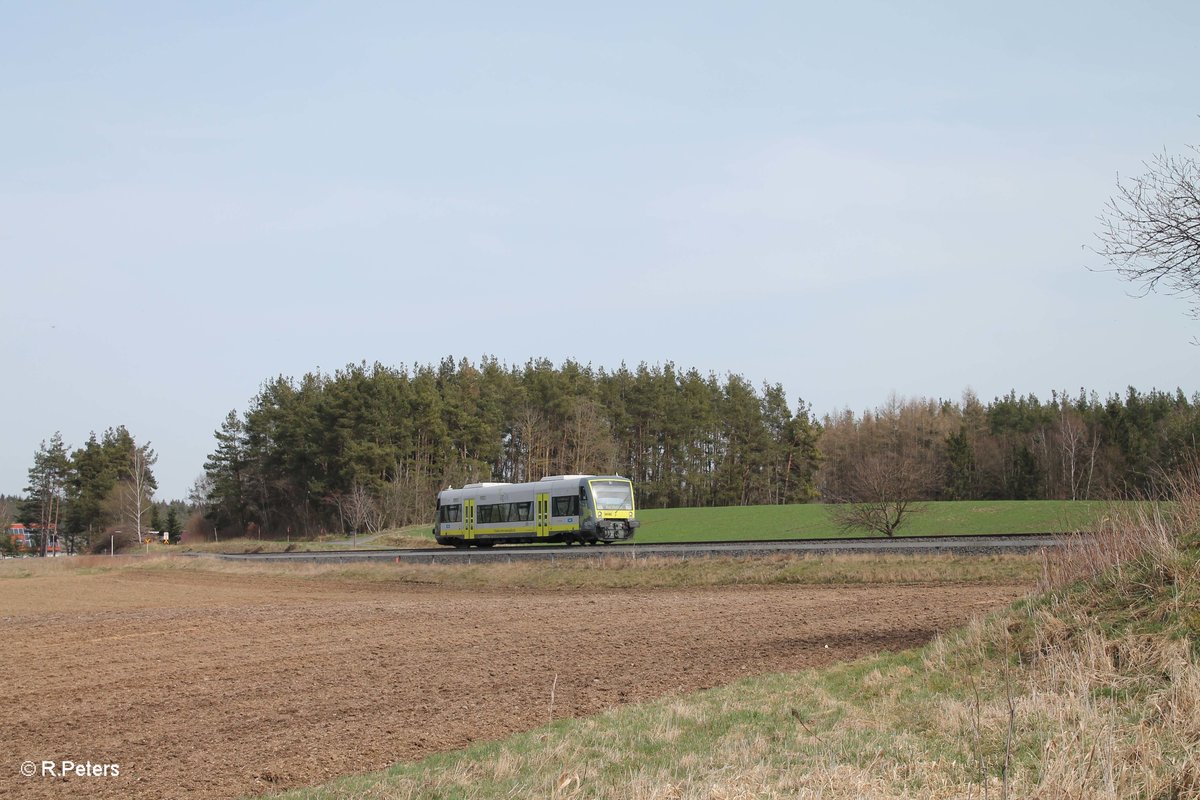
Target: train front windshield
612,495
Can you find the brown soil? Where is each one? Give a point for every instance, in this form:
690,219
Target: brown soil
217,685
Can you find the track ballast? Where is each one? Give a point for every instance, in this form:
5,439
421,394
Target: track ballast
975,545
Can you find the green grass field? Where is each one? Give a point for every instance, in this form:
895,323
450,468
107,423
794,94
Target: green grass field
750,523
811,521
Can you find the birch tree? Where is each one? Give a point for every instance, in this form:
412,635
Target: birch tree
129,501
362,511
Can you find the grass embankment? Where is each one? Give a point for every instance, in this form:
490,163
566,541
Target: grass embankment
411,536
1090,689
612,573
811,520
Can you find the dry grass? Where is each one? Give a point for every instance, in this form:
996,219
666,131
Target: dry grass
1099,691
411,537
28,567
1127,537
614,572
1097,718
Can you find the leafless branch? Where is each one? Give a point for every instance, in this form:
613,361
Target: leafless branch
881,491
1150,230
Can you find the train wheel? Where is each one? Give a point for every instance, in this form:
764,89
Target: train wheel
484,544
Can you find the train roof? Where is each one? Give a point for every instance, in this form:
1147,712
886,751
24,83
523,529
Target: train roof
549,479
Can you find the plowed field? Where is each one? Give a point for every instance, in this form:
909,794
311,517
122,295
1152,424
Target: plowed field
215,685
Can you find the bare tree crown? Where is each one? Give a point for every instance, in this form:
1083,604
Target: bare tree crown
1150,230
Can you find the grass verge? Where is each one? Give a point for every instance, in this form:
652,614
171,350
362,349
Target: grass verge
613,572
412,536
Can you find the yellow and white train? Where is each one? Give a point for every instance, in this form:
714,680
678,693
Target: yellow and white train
564,508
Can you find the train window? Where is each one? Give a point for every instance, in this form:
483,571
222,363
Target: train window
567,506
613,495
499,512
452,513
503,512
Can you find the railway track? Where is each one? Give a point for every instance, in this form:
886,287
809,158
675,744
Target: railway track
915,545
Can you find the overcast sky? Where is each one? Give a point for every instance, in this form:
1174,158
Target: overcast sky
851,199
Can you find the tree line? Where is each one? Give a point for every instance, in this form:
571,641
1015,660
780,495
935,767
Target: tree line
370,446
91,495
1014,448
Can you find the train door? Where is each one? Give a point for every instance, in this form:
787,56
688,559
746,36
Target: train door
543,515
468,519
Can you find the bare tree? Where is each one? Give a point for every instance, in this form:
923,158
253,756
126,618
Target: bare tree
400,504
530,446
198,496
1079,445
881,491
1150,231
129,501
880,466
141,481
590,446
361,510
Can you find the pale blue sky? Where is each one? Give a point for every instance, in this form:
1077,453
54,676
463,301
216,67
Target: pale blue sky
850,199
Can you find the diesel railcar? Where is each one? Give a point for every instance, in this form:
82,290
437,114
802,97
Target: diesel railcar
583,509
